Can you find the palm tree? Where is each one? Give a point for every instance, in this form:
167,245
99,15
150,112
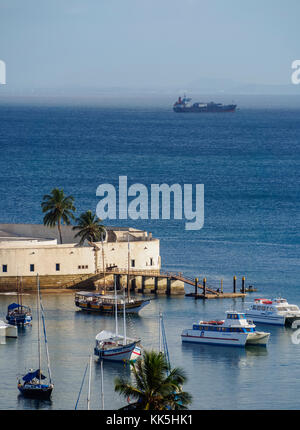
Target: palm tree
58,208
90,228
156,386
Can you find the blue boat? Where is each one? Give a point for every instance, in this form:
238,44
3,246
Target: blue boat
32,386
17,313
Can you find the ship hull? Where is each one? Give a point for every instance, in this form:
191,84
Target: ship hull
36,391
110,308
268,319
123,353
214,338
194,109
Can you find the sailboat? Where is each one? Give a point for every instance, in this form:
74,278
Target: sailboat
17,313
114,346
32,385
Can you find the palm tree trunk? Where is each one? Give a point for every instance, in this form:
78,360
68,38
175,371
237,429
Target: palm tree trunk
59,230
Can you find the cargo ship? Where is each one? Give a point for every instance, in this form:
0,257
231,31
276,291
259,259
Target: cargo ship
185,105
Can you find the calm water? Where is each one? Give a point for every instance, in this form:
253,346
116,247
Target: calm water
249,163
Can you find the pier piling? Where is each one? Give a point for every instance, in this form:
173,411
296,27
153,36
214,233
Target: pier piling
196,286
234,284
243,284
204,288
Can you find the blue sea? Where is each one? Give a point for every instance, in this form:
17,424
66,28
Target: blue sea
249,163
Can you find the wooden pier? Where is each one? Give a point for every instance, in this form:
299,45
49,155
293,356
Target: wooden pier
156,282
208,293
214,296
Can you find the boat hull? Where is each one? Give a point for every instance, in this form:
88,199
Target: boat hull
231,339
8,330
267,319
195,109
36,391
110,308
258,338
19,320
123,353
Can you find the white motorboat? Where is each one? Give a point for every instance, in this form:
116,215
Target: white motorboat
276,311
8,330
235,331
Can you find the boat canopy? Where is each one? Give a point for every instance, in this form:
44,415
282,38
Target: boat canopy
88,294
31,375
15,306
108,335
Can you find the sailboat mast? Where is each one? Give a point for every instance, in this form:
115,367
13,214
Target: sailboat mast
124,318
116,304
102,386
103,265
160,334
18,292
21,292
46,341
89,387
39,327
128,276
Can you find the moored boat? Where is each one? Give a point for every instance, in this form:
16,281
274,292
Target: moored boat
8,330
32,385
17,313
116,347
183,105
276,311
236,330
96,302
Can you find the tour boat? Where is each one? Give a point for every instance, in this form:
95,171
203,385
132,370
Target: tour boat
236,330
276,311
8,330
96,302
32,385
116,347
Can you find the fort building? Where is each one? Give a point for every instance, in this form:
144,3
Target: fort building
30,249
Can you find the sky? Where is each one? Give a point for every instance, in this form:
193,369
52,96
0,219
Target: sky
150,44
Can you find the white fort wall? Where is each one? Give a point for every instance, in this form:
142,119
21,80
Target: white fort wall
27,249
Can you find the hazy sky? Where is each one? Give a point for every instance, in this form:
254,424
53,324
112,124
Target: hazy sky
147,43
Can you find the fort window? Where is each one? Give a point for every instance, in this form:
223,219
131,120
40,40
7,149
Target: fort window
4,268
132,263
31,267
151,261
57,267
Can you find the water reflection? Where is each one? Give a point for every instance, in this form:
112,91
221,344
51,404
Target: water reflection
221,354
27,403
